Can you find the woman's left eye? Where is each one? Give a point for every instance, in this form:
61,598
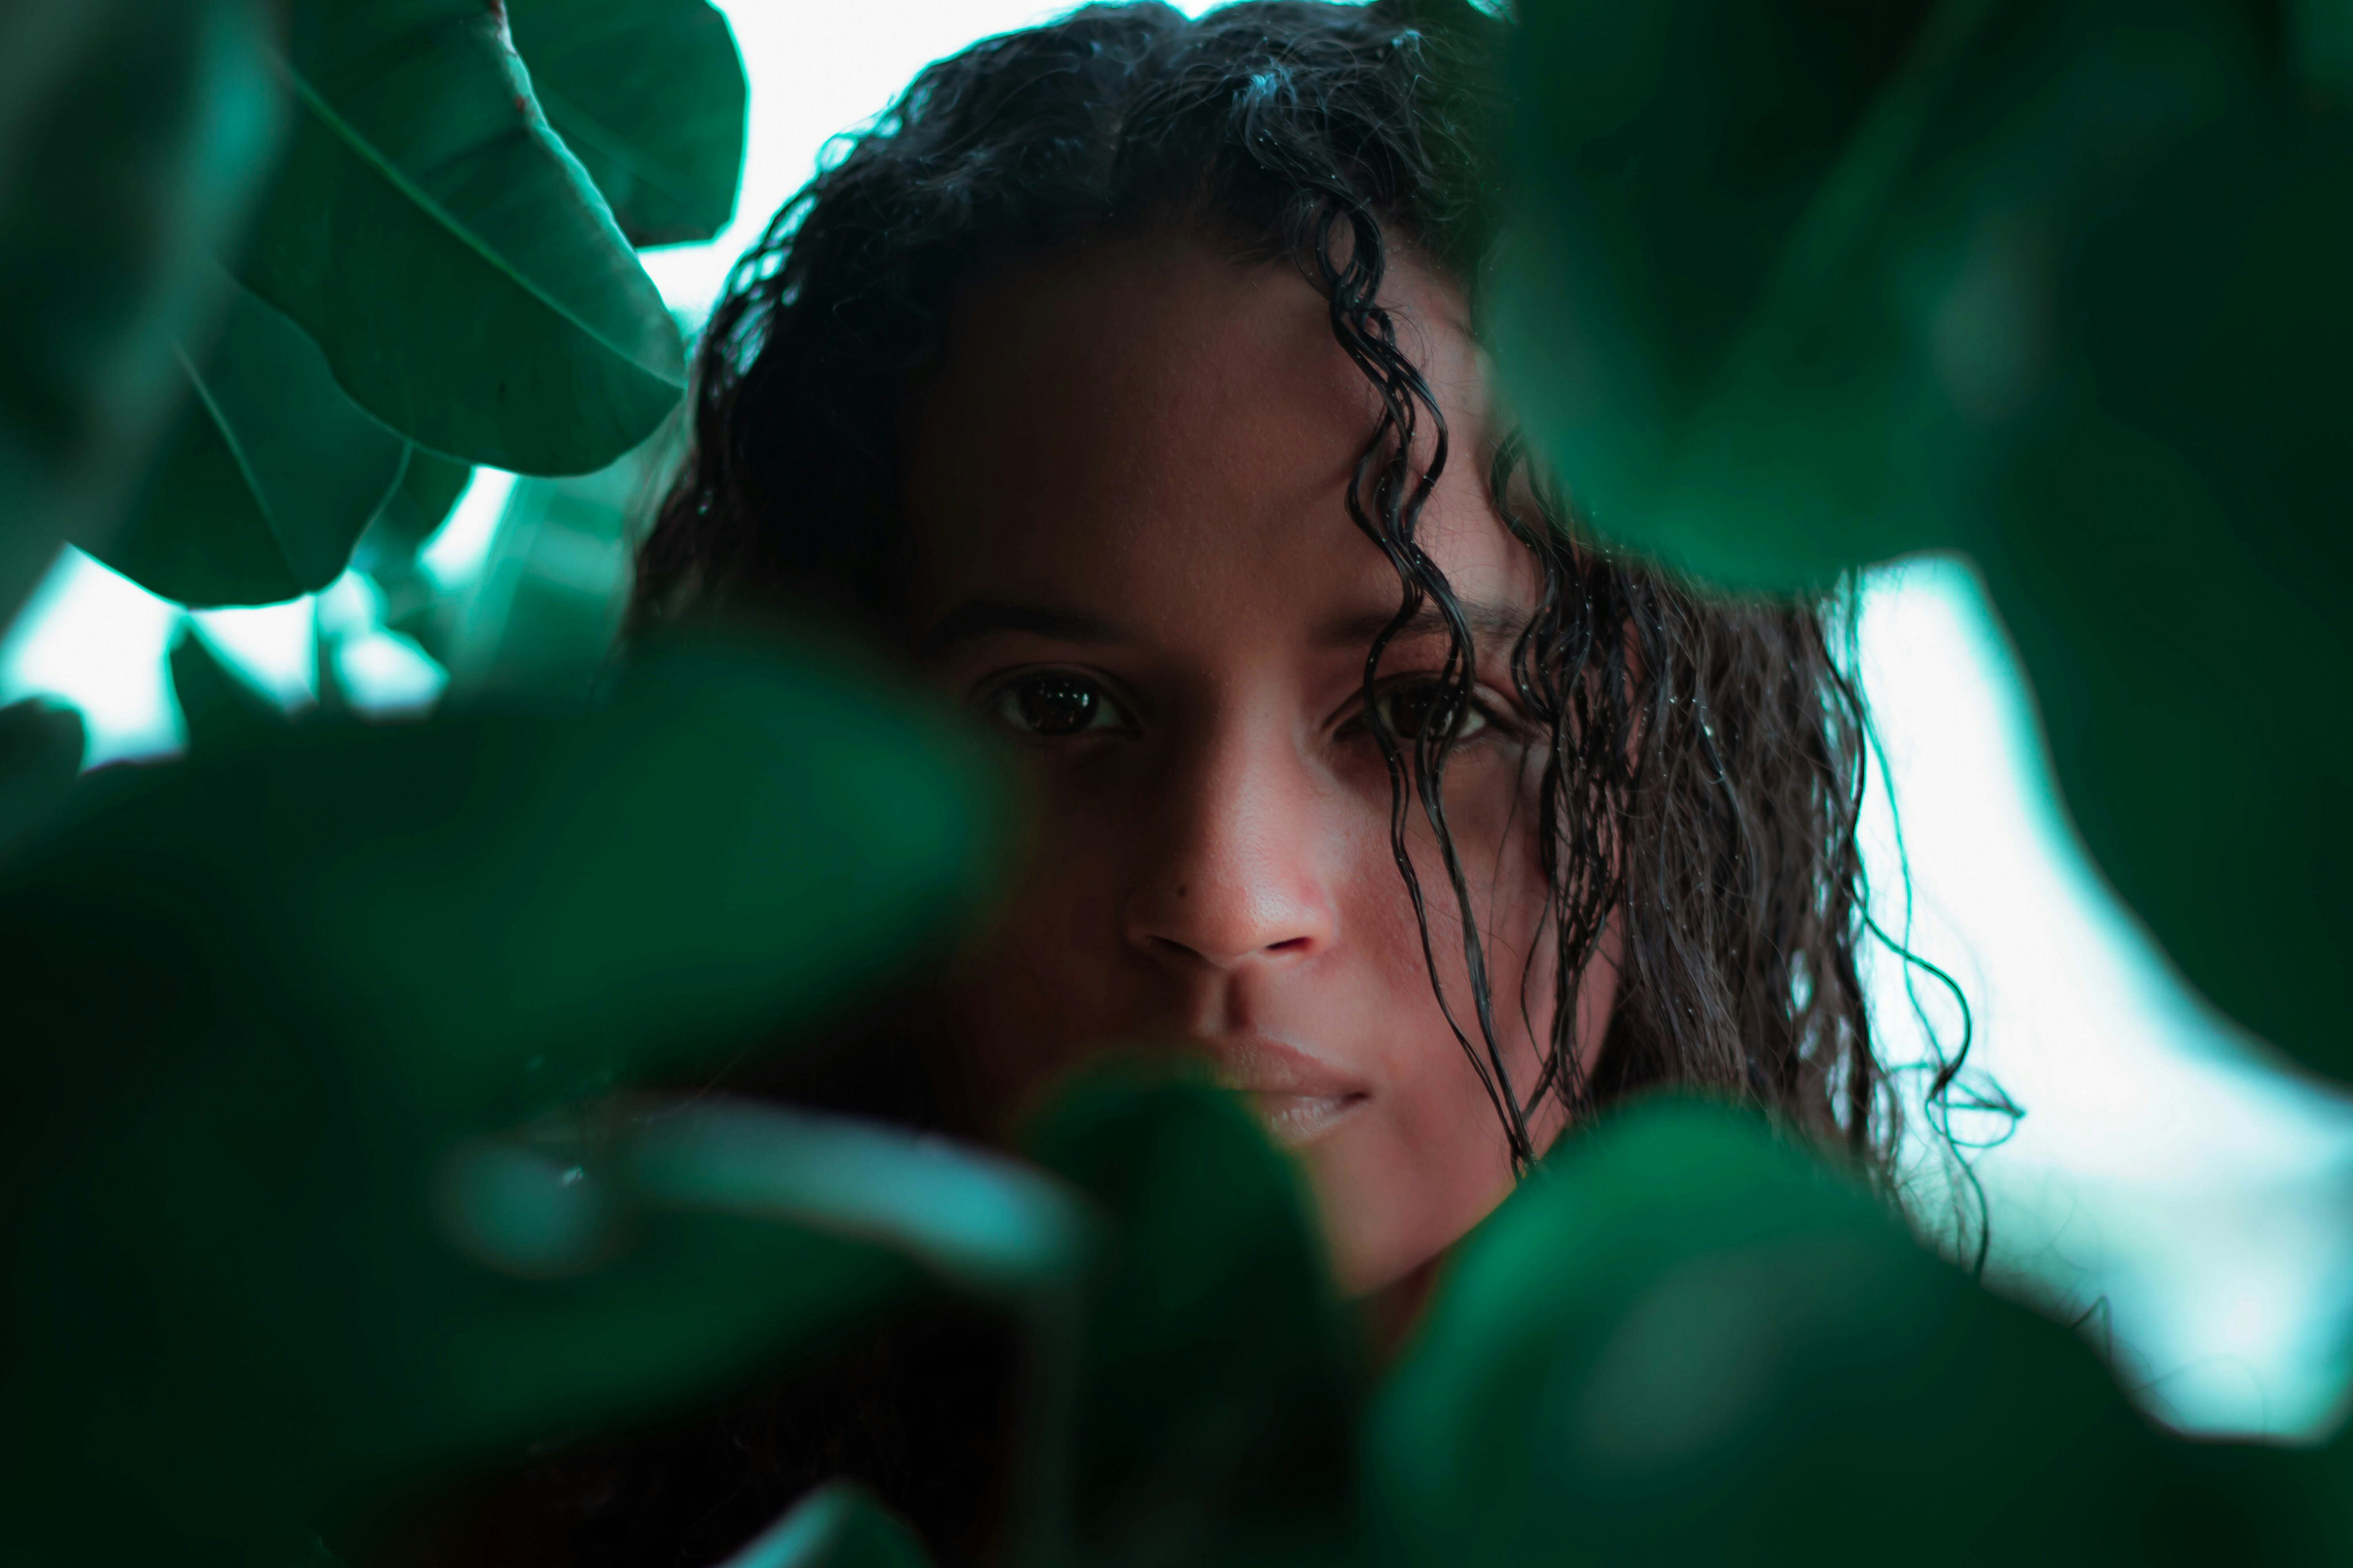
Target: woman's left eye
1056,705
1412,707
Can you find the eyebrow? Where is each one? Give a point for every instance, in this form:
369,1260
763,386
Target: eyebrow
977,618
1488,620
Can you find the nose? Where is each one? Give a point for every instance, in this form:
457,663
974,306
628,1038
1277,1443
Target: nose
1236,882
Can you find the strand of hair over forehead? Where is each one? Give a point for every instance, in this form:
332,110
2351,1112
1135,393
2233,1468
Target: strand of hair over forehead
1297,141
1387,494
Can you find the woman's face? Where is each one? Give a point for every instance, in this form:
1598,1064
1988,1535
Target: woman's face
1128,483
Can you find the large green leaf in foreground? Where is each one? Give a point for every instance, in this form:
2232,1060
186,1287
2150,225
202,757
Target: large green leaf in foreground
304,1191
219,707
454,262
1681,1342
1219,1379
651,96
131,134
837,1526
266,478
390,552
1795,288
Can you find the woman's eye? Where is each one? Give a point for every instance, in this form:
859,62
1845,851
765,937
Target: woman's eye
1427,706
1053,706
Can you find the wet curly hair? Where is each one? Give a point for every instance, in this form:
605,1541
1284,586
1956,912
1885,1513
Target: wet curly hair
1706,757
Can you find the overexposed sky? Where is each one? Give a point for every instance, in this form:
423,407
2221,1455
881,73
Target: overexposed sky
817,70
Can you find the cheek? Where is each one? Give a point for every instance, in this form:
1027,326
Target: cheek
1435,1159
1492,820
1046,981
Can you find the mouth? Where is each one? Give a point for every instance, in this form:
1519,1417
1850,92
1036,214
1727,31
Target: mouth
1296,1093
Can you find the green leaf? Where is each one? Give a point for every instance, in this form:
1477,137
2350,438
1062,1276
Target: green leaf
314,1553
554,586
275,1013
2322,32
267,477
41,747
989,1226
651,96
219,707
389,551
453,260
1219,1380
1683,1342
893,1206
1665,160
132,138
1767,331
838,1525
1796,288
415,510
2187,496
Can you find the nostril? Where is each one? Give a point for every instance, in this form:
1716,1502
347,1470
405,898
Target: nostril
1290,945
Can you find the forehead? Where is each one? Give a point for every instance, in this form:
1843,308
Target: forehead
1146,421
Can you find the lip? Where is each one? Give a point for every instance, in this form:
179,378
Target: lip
1297,1120
1298,1094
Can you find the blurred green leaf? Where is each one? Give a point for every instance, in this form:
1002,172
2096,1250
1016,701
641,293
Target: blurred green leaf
1685,1341
992,1226
1795,288
313,1553
541,618
430,487
132,138
219,707
266,479
2322,34
41,747
837,1526
479,890
1669,156
650,95
876,1210
1787,281
389,552
1220,1379
454,262
2167,547
266,1004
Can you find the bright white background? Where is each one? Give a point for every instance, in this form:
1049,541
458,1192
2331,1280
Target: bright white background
2168,1178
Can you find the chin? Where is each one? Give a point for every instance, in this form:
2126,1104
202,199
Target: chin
1385,1217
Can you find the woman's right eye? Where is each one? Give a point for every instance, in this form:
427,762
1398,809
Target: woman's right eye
1056,705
